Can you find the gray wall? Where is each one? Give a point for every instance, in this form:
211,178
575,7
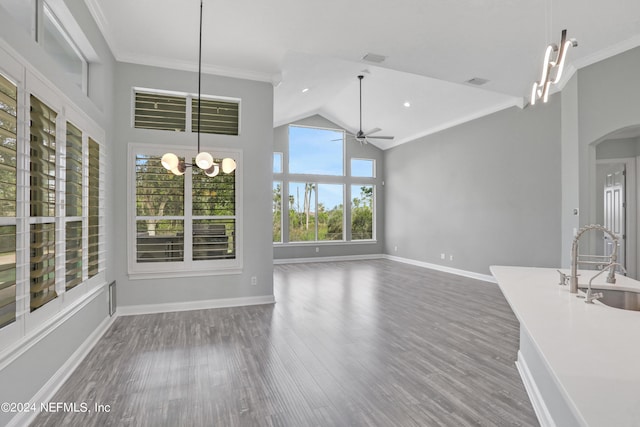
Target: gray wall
353,149
606,100
256,141
618,149
24,377
487,192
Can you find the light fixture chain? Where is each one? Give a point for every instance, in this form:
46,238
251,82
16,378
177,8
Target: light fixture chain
199,74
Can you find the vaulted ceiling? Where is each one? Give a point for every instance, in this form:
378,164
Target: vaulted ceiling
432,48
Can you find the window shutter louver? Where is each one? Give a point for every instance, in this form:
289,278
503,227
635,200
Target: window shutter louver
94,208
157,111
159,194
218,117
43,198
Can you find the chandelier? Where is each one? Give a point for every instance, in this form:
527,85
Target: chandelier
204,160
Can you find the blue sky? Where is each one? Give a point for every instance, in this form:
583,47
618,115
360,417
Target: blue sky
320,152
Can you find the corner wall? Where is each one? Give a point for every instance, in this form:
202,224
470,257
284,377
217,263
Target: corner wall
485,192
256,141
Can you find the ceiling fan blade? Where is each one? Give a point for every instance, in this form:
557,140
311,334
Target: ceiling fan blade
372,131
379,137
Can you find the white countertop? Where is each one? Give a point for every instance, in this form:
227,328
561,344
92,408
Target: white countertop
592,350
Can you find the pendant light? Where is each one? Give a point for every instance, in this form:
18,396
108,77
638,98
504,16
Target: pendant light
204,160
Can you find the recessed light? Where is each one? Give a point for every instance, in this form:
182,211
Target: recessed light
305,90
407,104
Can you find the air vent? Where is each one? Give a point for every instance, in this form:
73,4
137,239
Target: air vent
374,57
477,81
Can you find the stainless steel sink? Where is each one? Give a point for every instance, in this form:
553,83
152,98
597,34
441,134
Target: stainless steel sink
626,300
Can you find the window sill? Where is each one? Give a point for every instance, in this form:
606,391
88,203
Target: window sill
327,243
186,273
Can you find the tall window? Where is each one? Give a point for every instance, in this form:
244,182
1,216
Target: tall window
183,222
8,173
45,202
42,151
73,207
362,220
277,211
315,193
93,218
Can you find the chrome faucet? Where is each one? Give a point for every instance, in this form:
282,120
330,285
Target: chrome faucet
611,278
591,296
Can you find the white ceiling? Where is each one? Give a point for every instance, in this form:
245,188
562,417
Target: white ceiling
432,47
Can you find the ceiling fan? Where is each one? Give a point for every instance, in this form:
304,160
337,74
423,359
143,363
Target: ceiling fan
361,137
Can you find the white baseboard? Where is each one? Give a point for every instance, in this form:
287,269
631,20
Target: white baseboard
46,393
130,310
539,407
327,259
456,271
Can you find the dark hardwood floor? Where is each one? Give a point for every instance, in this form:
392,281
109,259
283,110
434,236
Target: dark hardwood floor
363,343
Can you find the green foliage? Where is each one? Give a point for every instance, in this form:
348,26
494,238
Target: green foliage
362,215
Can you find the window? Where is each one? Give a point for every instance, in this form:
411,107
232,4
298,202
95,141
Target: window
158,111
362,208
277,212
314,151
164,110
42,148
56,41
93,217
277,162
219,117
311,193
183,223
363,168
8,174
73,207
315,211
45,204
53,27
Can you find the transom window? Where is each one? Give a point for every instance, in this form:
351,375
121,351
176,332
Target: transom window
175,111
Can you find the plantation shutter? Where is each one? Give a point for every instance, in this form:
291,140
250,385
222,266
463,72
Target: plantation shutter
213,211
159,212
219,117
73,207
158,111
94,208
8,163
42,202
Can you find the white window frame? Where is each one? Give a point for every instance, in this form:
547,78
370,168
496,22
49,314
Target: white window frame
373,167
188,267
31,326
373,211
189,110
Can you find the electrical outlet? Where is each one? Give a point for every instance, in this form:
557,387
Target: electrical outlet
442,256
395,249
317,249
254,280
450,257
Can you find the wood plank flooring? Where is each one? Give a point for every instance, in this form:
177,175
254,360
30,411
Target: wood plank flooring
362,343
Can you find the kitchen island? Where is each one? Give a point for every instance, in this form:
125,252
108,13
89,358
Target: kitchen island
580,363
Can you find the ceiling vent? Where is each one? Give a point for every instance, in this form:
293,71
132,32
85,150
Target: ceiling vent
374,57
477,81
